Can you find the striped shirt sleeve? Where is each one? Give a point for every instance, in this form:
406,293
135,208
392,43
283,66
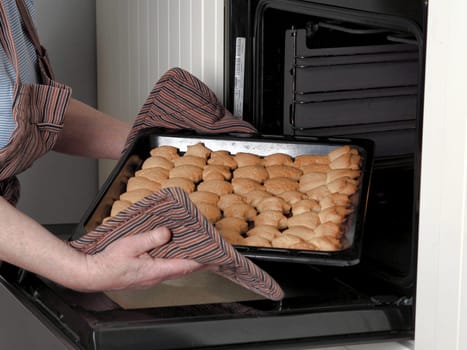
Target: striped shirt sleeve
28,68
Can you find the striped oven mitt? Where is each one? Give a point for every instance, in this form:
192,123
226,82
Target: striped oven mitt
179,101
193,237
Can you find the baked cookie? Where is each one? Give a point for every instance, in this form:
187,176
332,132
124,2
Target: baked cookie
308,219
252,172
219,187
335,174
273,203
333,200
216,172
232,224
292,197
285,241
271,218
240,210
211,212
302,232
336,215
222,158
139,182
336,153
265,231
198,150
329,229
288,171
185,184
244,159
311,181
244,186
228,200
304,206
190,160
157,162
309,159
280,185
204,197
346,161
343,185
304,245
277,159
254,197
325,243
154,174
315,168
232,236
255,241
135,195
168,152
190,172
318,193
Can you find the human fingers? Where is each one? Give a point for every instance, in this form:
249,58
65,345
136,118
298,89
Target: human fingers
140,244
112,270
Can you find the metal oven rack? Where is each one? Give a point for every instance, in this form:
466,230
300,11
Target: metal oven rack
369,88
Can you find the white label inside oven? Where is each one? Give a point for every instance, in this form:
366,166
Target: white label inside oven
239,77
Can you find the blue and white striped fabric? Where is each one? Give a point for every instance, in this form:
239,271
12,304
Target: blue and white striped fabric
28,68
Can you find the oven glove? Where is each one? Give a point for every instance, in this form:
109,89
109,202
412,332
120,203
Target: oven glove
193,237
178,101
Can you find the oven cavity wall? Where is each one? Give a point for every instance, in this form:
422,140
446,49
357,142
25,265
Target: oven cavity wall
357,72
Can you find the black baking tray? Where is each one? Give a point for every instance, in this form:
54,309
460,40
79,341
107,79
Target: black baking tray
261,145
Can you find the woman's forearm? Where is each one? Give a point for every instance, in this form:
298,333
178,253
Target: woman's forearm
123,264
25,243
90,133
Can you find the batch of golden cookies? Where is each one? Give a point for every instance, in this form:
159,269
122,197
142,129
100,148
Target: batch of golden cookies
275,201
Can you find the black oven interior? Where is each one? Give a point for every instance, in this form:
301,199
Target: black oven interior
342,69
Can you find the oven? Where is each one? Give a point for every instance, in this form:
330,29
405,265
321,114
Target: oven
343,69
326,70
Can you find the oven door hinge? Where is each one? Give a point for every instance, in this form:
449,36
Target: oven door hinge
392,300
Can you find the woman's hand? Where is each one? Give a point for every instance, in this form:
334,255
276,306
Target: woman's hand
125,264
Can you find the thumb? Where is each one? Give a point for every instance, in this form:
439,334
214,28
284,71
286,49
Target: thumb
146,241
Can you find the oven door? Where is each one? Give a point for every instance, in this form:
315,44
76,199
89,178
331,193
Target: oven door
320,309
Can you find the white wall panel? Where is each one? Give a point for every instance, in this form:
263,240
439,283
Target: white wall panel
441,317
138,40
